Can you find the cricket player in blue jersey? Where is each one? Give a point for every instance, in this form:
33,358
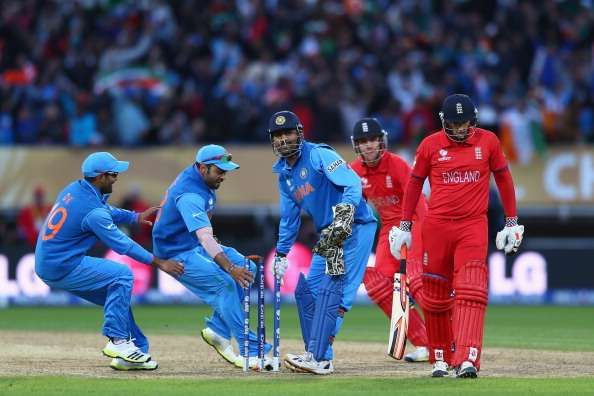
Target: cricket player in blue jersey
80,217
315,179
213,272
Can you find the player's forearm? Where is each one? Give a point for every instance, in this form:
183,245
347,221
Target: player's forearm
208,242
505,185
411,197
352,193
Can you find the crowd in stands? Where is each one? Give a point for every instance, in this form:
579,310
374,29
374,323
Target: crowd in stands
153,72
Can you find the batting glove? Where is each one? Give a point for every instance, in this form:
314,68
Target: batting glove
510,238
280,265
399,236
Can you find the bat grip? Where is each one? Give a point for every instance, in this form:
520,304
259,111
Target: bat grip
403,254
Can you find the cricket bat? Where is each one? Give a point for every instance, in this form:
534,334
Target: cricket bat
400,311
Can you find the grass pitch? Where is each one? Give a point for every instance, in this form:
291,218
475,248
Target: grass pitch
543,329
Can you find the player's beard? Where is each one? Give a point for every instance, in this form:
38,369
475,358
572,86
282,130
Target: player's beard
107,189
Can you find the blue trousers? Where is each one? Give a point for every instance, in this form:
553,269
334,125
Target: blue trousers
109,284
357,249
207,280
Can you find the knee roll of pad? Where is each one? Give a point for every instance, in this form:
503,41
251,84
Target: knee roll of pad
471,282
437,293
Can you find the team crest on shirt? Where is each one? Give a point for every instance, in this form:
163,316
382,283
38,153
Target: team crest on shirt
425,258
303,173
443,155
478,154
389,182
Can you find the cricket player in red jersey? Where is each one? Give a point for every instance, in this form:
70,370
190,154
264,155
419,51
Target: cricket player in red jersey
384,176
459,161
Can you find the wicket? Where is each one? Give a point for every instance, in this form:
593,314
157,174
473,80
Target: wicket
261,332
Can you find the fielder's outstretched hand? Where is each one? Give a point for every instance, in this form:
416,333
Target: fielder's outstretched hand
147,214
510,238
399,236
172,267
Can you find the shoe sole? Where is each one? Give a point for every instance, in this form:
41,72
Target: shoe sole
138,368
469,373
412,360
115,355
216,349
439,374
297,369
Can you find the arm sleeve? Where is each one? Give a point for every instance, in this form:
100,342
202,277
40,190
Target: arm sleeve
505,185
192,208
99,221
339,173
290,221
503,178
414,187
124,216
206,238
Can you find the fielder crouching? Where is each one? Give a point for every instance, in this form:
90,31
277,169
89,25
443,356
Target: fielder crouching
79,218
315,179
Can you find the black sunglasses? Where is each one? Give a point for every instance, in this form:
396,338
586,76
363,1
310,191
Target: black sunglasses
112,174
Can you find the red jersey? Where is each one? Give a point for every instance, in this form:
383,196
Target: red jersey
384,185
459,173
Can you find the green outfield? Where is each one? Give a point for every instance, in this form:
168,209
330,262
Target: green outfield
546,329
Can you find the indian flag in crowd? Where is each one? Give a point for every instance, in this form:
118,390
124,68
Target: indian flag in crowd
142,78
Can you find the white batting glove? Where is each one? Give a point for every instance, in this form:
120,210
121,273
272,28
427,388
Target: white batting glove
399,236
280,265
510,238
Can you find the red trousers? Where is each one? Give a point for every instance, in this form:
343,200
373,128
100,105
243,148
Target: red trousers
455,287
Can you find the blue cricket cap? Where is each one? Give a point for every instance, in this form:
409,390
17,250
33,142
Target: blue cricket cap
213,154
101,162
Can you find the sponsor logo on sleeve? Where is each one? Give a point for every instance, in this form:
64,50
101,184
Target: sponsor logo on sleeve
332,167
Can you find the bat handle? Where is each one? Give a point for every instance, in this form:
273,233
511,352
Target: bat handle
403,254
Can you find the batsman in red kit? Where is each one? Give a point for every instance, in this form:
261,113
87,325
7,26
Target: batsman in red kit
459,161
384,176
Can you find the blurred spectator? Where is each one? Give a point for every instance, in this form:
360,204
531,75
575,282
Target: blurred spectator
158,72
31,217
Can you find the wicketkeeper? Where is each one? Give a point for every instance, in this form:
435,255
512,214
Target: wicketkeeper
315,179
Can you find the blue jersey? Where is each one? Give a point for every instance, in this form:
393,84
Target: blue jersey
77,220
319,180
185,209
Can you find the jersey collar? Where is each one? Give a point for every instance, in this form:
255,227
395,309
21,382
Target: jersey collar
382,167
102,197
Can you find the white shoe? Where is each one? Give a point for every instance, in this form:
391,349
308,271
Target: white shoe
466,370
220,344
127,351
421,354
307,363
254,363
440,369
121,364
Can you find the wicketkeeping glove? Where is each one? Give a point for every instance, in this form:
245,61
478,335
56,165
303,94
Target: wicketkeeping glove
342,225
510,238
399,236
